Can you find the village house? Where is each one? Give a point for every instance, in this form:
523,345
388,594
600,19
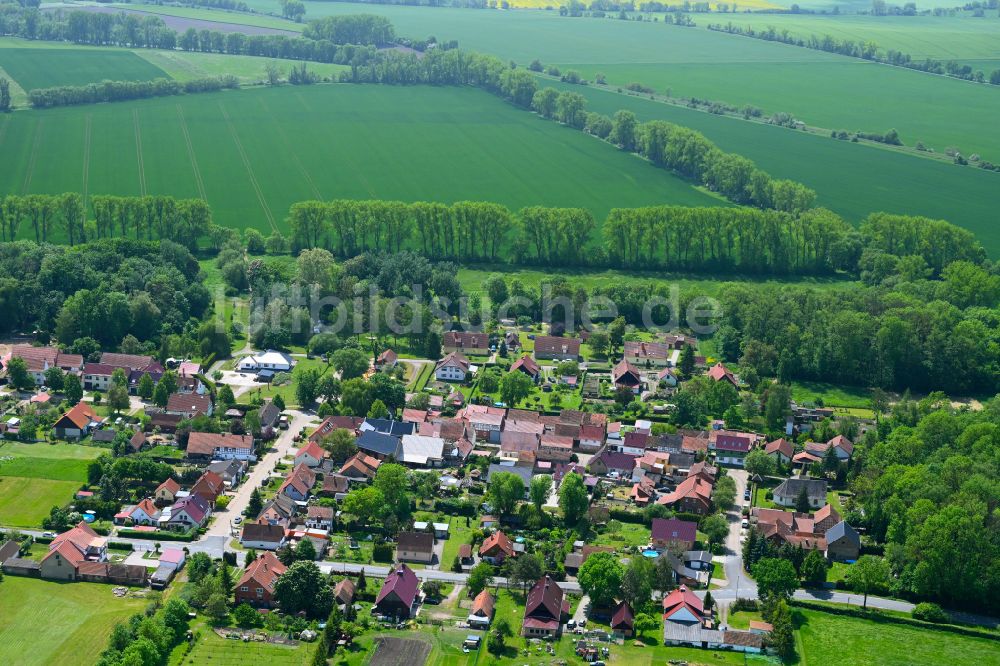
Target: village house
231,471
39,359
781,450
415,547
344,592
528,366
298,484
319,517
380,445
69,549
647,354
189,405
731,448
208,487
477,344
553,448
386,361
360,467
842,542
452,368
496,548
143,513
612,463
623,620
262,536
166,492
331,423
673,534
481,613
220,446
544,609
97,376
310,455
513,341
278,511
720,373
552,348
399,593
788,491
842,447
256,585
626,377
692,495
77,423
189,512
336,486
267,363
487,421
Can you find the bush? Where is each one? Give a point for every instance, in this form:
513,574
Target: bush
382,552
929,612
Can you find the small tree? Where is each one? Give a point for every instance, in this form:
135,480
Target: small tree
480,577
869,574
802,501
814,569
246,616
539,489
782,638
145,388
305,550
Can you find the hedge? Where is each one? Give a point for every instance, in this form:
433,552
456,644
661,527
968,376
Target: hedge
120,545
157,536
893,619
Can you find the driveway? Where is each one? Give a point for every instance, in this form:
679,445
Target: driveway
222,525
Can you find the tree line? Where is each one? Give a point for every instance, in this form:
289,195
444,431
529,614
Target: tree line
121,91
866,50
133,31
164,217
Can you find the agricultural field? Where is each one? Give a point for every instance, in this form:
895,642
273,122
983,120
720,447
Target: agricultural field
238,150
35,68
45,622
963,37
882,97
824,638
851,179
36,477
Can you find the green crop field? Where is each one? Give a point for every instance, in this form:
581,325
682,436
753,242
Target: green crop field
851,179
258,151
881,97
44,68
184,66
45,622
963,37
824,638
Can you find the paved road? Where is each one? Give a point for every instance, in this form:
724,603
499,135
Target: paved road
222,526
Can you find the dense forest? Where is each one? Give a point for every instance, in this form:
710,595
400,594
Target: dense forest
140,296
927,484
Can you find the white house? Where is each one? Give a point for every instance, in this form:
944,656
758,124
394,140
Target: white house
262,537
274,361
452,368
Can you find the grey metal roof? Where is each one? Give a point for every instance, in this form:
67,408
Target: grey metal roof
841,530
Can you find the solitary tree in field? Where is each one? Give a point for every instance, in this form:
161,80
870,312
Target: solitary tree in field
868,574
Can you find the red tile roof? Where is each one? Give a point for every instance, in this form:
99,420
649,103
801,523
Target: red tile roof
264,570
497,540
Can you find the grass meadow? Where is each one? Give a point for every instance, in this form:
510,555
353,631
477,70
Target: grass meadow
242,151
36,477
211,649
45,622
824,638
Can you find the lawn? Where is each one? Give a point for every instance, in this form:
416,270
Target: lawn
407,143
36,477
622,535
211,649
825,638
45,68
44,622
832,395
58,462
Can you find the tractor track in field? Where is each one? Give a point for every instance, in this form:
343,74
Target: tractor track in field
298,163
190,150
33,158
3,128
138,152
249,168
86,156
